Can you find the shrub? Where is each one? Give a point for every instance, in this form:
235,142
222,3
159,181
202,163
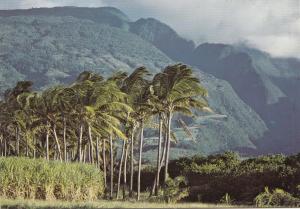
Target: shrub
226,199
176,189
276,198
39,179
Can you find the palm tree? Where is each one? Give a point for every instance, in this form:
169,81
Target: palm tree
15,110
64,99
134,85
109,108
46,109
178,90
83,89
143,110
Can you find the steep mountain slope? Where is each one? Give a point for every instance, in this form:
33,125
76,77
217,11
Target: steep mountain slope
150,29
269,85
50,50
163,37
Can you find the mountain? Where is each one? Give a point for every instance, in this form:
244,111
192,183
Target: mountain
50,50
105,15
163,37
270,86
53,50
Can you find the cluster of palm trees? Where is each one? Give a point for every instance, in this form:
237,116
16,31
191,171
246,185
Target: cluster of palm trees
82,121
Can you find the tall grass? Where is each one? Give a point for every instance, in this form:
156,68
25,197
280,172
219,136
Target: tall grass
40,179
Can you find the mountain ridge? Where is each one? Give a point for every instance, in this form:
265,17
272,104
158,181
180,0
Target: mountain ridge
270,89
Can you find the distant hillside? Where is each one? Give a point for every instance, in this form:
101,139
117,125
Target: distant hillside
106,15
269,85
51,50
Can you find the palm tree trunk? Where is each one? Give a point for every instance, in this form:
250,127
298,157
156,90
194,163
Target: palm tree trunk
162,159
140,160
34,147
79,141
64,138
87,153
120,168
104,162
17,141
111,167
84,153
57,143
47,144
125,171
1,145
131,164
27,147
97,152
91,153
158,155
168,147
5,147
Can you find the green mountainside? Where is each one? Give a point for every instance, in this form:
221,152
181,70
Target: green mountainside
51,50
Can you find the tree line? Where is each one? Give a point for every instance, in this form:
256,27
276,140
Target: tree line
83,121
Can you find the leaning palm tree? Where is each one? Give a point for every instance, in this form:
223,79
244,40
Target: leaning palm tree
136,87
141,102
15,110
64,100
178,90
110,108
45,107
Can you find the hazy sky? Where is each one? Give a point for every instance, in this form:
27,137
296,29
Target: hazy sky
271,25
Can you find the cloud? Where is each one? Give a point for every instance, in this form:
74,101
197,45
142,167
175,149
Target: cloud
273,26
24,4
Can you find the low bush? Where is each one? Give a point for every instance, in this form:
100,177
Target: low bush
226,199
209,178
40,179
176,189
276,198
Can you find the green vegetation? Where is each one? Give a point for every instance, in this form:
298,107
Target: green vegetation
278,197
38,179
176,189
84,121
223,179
101,122
227,178
36,204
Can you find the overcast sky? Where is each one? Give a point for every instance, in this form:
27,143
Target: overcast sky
270,25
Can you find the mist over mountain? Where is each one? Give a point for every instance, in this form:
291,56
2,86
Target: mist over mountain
259,94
